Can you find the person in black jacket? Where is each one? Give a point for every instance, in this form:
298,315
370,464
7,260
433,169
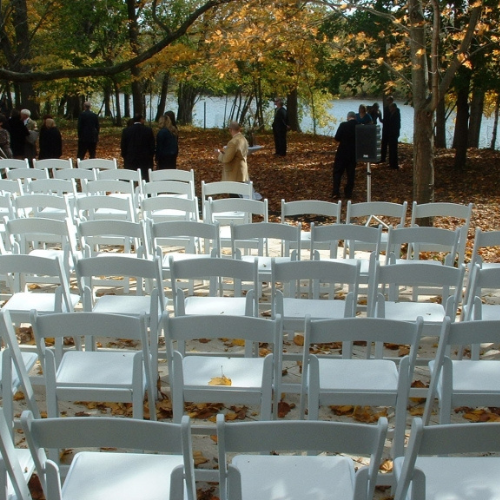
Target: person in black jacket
18,134
280,128
167,142
138,147
88,132
345,158
393,130
49,141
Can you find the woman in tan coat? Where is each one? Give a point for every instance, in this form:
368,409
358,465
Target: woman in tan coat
234,156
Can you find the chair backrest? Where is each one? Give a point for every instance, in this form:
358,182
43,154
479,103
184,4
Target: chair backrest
351,235
26,173
49,206
114,207
260,234
379,212
98,163
439,440
52,186
94,234
316,273
481,280
446,280
222,189
239,210
186,234
482,240
75,173
53,164
420,239
12,163
169,208
109,187
216,271
120,174
171,174
169,188
109,432
460,213
11,186
461,335
301,435
311,208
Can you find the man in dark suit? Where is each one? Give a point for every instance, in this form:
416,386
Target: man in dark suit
138,146
88,132
345,158
280,128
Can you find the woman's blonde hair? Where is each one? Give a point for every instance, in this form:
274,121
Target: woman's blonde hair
166,122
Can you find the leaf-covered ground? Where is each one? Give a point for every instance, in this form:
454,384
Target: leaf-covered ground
306,173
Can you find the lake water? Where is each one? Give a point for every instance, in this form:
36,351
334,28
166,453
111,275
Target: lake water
212,112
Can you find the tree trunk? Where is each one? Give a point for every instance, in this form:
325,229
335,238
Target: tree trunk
107,99
423,121
162,102
118,111
292,106
495,122
186,99
461,127
126,105
476,115
441,125
133,34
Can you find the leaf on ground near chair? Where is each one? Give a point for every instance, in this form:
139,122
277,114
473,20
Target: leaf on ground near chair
82,414
342,410
240,411
213,437
436,300
202,494
284,408
18,396
69,341
107,448
361,343
223,380
164,409
362,302
199,458
263,352
49,341
35,488
419,385
367,415
416,411
298,340
65,454
25,334
391,347
386,466
203,411
239,342
404,350
481,415
204,341
266,314
34,286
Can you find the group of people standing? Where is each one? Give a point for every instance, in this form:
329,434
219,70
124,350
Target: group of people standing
346,155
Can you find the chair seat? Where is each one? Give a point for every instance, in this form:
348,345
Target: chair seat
29,360
295,477
409,311
97,369
101,476
264,263
123,304
42,302
297,309
235,306
457,478
243,372
374,379
27,466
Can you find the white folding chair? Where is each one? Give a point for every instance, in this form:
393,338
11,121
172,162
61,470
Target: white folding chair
229,376
97,163
171,174
105,207
11,186
310,210
24,174
76,174
180,240
43,238
11,163
49,206
147,298
16,465
432,245
221,189
449,461
178,189
375,213
283,472
221,273
460,214
20,269
169,208
459,382
53,164
58,187
325,281
119,376
481,288
396,293
360,379
164,474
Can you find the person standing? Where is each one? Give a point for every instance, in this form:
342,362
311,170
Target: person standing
234,156
4,138
345,158
138,147
167,142
18,134
50,141
394,128
385,128
280,127
363,117
88,132
31,138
